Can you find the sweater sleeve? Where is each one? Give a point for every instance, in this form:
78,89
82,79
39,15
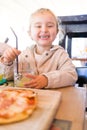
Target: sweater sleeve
8,72
3,47
65,75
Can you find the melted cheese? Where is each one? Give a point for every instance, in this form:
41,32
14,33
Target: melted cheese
13,102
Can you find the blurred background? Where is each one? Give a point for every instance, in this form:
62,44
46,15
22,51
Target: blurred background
16,13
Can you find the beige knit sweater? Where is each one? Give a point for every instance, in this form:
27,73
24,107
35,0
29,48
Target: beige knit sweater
55,64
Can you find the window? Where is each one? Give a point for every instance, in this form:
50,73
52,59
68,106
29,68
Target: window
79,51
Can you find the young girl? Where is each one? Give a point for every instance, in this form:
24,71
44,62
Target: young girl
51,64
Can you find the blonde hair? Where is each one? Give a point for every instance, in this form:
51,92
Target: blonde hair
43,11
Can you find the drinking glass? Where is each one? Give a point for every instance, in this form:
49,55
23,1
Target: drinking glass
2,74
20,69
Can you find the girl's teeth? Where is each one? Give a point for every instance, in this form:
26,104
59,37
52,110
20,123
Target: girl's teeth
44,36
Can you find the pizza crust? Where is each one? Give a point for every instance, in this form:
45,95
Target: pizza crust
16,118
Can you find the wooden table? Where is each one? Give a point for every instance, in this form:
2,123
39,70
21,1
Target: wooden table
79,59
72,107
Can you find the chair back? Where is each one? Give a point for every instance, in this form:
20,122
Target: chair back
82,76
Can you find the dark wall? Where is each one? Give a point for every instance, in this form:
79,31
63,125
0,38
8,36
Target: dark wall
74,26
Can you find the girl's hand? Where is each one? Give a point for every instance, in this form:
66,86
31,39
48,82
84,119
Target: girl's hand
10,54
39,81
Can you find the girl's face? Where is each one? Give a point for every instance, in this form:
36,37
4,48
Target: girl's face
43,29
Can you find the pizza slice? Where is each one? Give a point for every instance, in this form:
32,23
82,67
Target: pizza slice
16,104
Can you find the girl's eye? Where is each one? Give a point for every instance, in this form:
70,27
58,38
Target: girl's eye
38,26
50,26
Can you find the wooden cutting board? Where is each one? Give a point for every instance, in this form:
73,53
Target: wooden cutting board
41,119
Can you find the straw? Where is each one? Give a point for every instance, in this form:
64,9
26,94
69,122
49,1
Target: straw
16,46
6,40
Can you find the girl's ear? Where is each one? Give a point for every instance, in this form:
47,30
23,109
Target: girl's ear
29,32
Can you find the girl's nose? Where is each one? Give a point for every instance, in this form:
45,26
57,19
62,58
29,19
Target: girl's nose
44,28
